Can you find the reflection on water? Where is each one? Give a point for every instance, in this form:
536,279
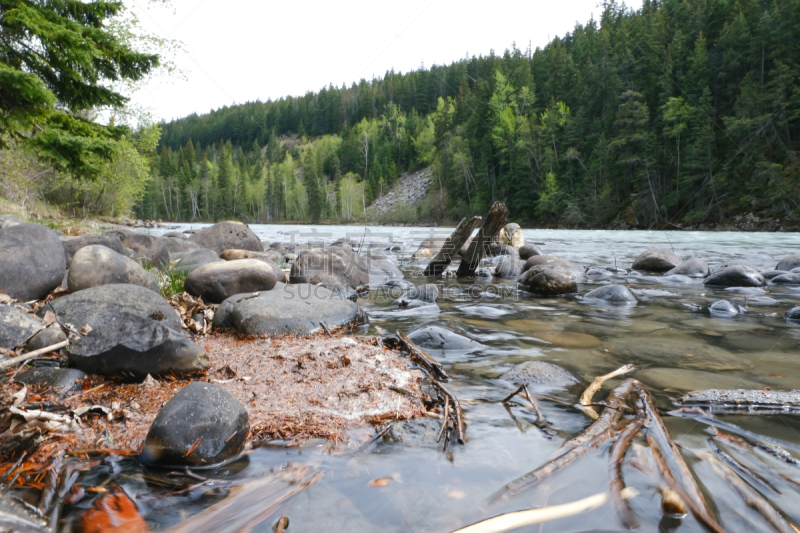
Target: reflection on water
671,337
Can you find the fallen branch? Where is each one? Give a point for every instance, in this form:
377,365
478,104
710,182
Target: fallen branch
459,415
742,401
752,498
24,358
739,468
617,485
588,394
509,521
445,418
431,365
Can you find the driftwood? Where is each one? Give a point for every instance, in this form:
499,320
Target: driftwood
451,246
744,401
752,498
431,365
509,521
24,358
588,394
616,483
445,418
671,503
457,413
492,224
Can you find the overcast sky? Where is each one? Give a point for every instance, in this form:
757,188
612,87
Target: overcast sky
244,50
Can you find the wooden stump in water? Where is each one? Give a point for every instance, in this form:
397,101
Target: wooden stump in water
452,246
492,224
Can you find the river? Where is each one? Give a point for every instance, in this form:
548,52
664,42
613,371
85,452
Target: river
676,345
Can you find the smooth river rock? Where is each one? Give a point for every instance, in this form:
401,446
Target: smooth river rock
786,279
548,281
215,282
49,336
109,240
540,373
335,265
227,236
736,276
188,261
97,265
529,250
201,426
788,263
270,256
613,294
436,337
723,309
32,261
299,309
151,251
656,260
16,327
693,268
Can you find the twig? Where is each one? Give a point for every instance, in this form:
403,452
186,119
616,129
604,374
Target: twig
380,434
10,472
617,485
588,394
446,417
738,467
507,398
509,521
752,498
24,358
456,410
50,490
431,365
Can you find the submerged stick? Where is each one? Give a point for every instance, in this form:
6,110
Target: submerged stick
752,498
699,511
24,358
431,365
738,467
446,417
588,394
671,503
509,521
616,485
459,415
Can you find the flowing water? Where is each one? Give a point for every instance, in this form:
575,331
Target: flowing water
676,345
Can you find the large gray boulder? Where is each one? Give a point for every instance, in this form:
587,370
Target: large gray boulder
202,425
215,282
178,244
510,267
548,281
16,327
381,270
151,251
693,268
131,347
613,294
97,265
188,261
227,236
288,309
539,373
31,261
736,276
97,306
656,260
335,265
6,221
788,263
109,240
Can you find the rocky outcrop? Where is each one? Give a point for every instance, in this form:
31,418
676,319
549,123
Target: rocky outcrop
215,282
409,190
227,236
97,265
32,261
201,426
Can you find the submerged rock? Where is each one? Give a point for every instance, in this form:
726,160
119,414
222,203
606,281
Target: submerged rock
613,294
32,261
419,295
201,426
769,274
215,282
539,372
434,337
724,308
551,261
62,380
16,327
693,268
288,309
227,236
97,265
415,433
736,276
656,260
793,314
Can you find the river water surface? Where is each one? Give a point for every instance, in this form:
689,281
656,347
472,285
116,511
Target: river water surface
676,345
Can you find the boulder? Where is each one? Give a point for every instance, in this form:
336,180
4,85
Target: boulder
277,246
381,270
598,273
769,274
215,282
724,308
188,261
613,294
496,250
656,260
49,336
151,251
61,380
511,234
786,279
201,426
736,276
32,261
693,268
529,250
6,221
540,373
793,314
109,240
98,306
420,295
178,244
788,263
288,309
129,346
334,265
549,260
97,265
227,236
548,281
270,256
16,327
510,267
435,337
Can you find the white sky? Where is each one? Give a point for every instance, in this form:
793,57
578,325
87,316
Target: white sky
239,51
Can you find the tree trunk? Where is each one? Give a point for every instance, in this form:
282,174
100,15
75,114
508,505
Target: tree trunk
492,224
452,246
